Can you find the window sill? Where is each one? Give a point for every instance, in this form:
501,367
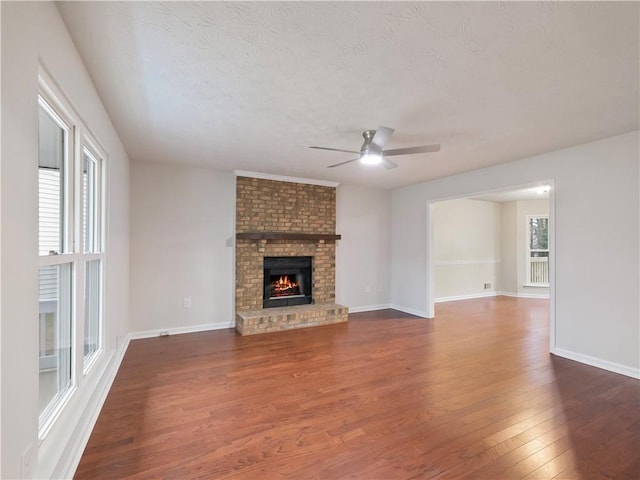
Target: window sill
90,360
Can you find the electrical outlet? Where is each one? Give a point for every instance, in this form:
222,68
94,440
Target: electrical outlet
28,461
487,285
186,303
367,289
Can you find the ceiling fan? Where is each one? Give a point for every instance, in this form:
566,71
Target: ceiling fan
372,153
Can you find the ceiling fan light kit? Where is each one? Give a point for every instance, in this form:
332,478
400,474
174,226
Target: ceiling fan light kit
372,153
371,159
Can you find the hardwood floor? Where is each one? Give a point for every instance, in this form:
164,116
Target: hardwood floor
472,394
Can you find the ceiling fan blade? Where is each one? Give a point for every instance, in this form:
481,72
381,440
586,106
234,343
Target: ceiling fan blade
412,150
344,163
335,149
388,164
382,136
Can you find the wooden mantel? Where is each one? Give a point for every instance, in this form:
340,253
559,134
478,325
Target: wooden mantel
286,236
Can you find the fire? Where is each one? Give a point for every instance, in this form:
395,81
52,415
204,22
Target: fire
284,286
283,283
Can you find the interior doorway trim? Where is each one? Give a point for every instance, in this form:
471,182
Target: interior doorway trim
430,297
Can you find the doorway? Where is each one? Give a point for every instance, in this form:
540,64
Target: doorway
462,263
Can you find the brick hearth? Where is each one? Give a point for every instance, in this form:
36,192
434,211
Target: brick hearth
285,318
285,207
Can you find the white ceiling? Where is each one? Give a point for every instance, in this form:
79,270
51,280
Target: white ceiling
250,86
529,193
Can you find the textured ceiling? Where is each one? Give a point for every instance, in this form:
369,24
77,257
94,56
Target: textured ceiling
250,86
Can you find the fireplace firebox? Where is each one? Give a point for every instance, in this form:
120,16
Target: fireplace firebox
287,281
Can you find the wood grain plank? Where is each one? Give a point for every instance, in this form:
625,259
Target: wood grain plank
470,394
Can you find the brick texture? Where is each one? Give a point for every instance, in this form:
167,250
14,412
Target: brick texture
286,318
272,206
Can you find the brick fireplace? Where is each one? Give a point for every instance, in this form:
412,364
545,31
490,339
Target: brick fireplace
284,219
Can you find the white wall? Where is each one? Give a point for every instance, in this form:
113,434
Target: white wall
363,253
467,248
599,180
33,32
182,227
509,249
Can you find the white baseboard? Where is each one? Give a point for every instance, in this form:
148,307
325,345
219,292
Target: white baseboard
410,311
68,463
597,362
490,294
465,297
523,295
533,295
369,308
178,330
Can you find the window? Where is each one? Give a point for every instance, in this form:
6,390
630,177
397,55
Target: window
53,154
55,336
92,226
70,251
538,251
91,202
92,309
56,269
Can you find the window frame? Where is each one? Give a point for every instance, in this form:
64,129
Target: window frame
50,413
78,138
90,147
61,115
529,251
